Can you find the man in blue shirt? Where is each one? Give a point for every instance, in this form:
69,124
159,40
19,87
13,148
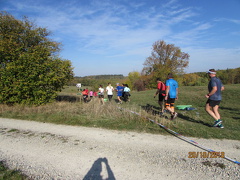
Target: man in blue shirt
214,96
171,95
119,90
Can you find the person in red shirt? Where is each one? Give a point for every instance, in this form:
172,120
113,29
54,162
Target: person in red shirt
87,90
161,92
85,95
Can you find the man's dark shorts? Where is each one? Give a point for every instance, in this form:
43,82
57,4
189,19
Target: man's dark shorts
213,103
161,97
170,102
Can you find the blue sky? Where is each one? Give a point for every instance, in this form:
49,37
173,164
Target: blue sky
116,36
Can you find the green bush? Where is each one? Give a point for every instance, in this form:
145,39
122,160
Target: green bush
30,70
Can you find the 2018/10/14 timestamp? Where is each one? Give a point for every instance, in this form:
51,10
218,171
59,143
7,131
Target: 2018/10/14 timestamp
195,154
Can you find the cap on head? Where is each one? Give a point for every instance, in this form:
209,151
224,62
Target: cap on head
211,71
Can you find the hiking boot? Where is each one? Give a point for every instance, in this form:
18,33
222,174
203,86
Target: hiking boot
216,123
220,126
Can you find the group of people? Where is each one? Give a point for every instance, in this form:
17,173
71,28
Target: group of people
168,93
88,95
123,93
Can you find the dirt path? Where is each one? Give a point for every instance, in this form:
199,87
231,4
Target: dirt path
48,151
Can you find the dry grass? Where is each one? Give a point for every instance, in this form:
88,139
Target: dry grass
108,115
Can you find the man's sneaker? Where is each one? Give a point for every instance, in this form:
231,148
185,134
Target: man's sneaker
220,126
175,115
216,123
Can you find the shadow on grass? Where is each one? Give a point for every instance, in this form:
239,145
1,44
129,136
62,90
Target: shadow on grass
230,109
156,111
68,98
151,109
187,118
234,111
236,118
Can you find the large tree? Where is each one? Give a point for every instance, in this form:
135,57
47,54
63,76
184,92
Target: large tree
165,58
31,71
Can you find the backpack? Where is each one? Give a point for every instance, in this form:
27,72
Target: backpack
162,89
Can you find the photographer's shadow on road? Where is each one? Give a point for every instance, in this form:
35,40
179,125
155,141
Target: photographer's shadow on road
100,170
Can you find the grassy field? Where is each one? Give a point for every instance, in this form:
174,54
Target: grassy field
70,110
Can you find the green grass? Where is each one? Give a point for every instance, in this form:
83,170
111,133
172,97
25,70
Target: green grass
7,174
195,123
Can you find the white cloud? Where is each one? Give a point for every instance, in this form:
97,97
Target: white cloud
235,21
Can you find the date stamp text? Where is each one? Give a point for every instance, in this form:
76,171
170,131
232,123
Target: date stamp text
195,154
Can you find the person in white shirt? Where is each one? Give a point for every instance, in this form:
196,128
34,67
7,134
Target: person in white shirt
109,90
101,94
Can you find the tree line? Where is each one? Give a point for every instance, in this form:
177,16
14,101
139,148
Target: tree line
137,81
140,82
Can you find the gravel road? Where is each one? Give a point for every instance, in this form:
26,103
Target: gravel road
49,151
